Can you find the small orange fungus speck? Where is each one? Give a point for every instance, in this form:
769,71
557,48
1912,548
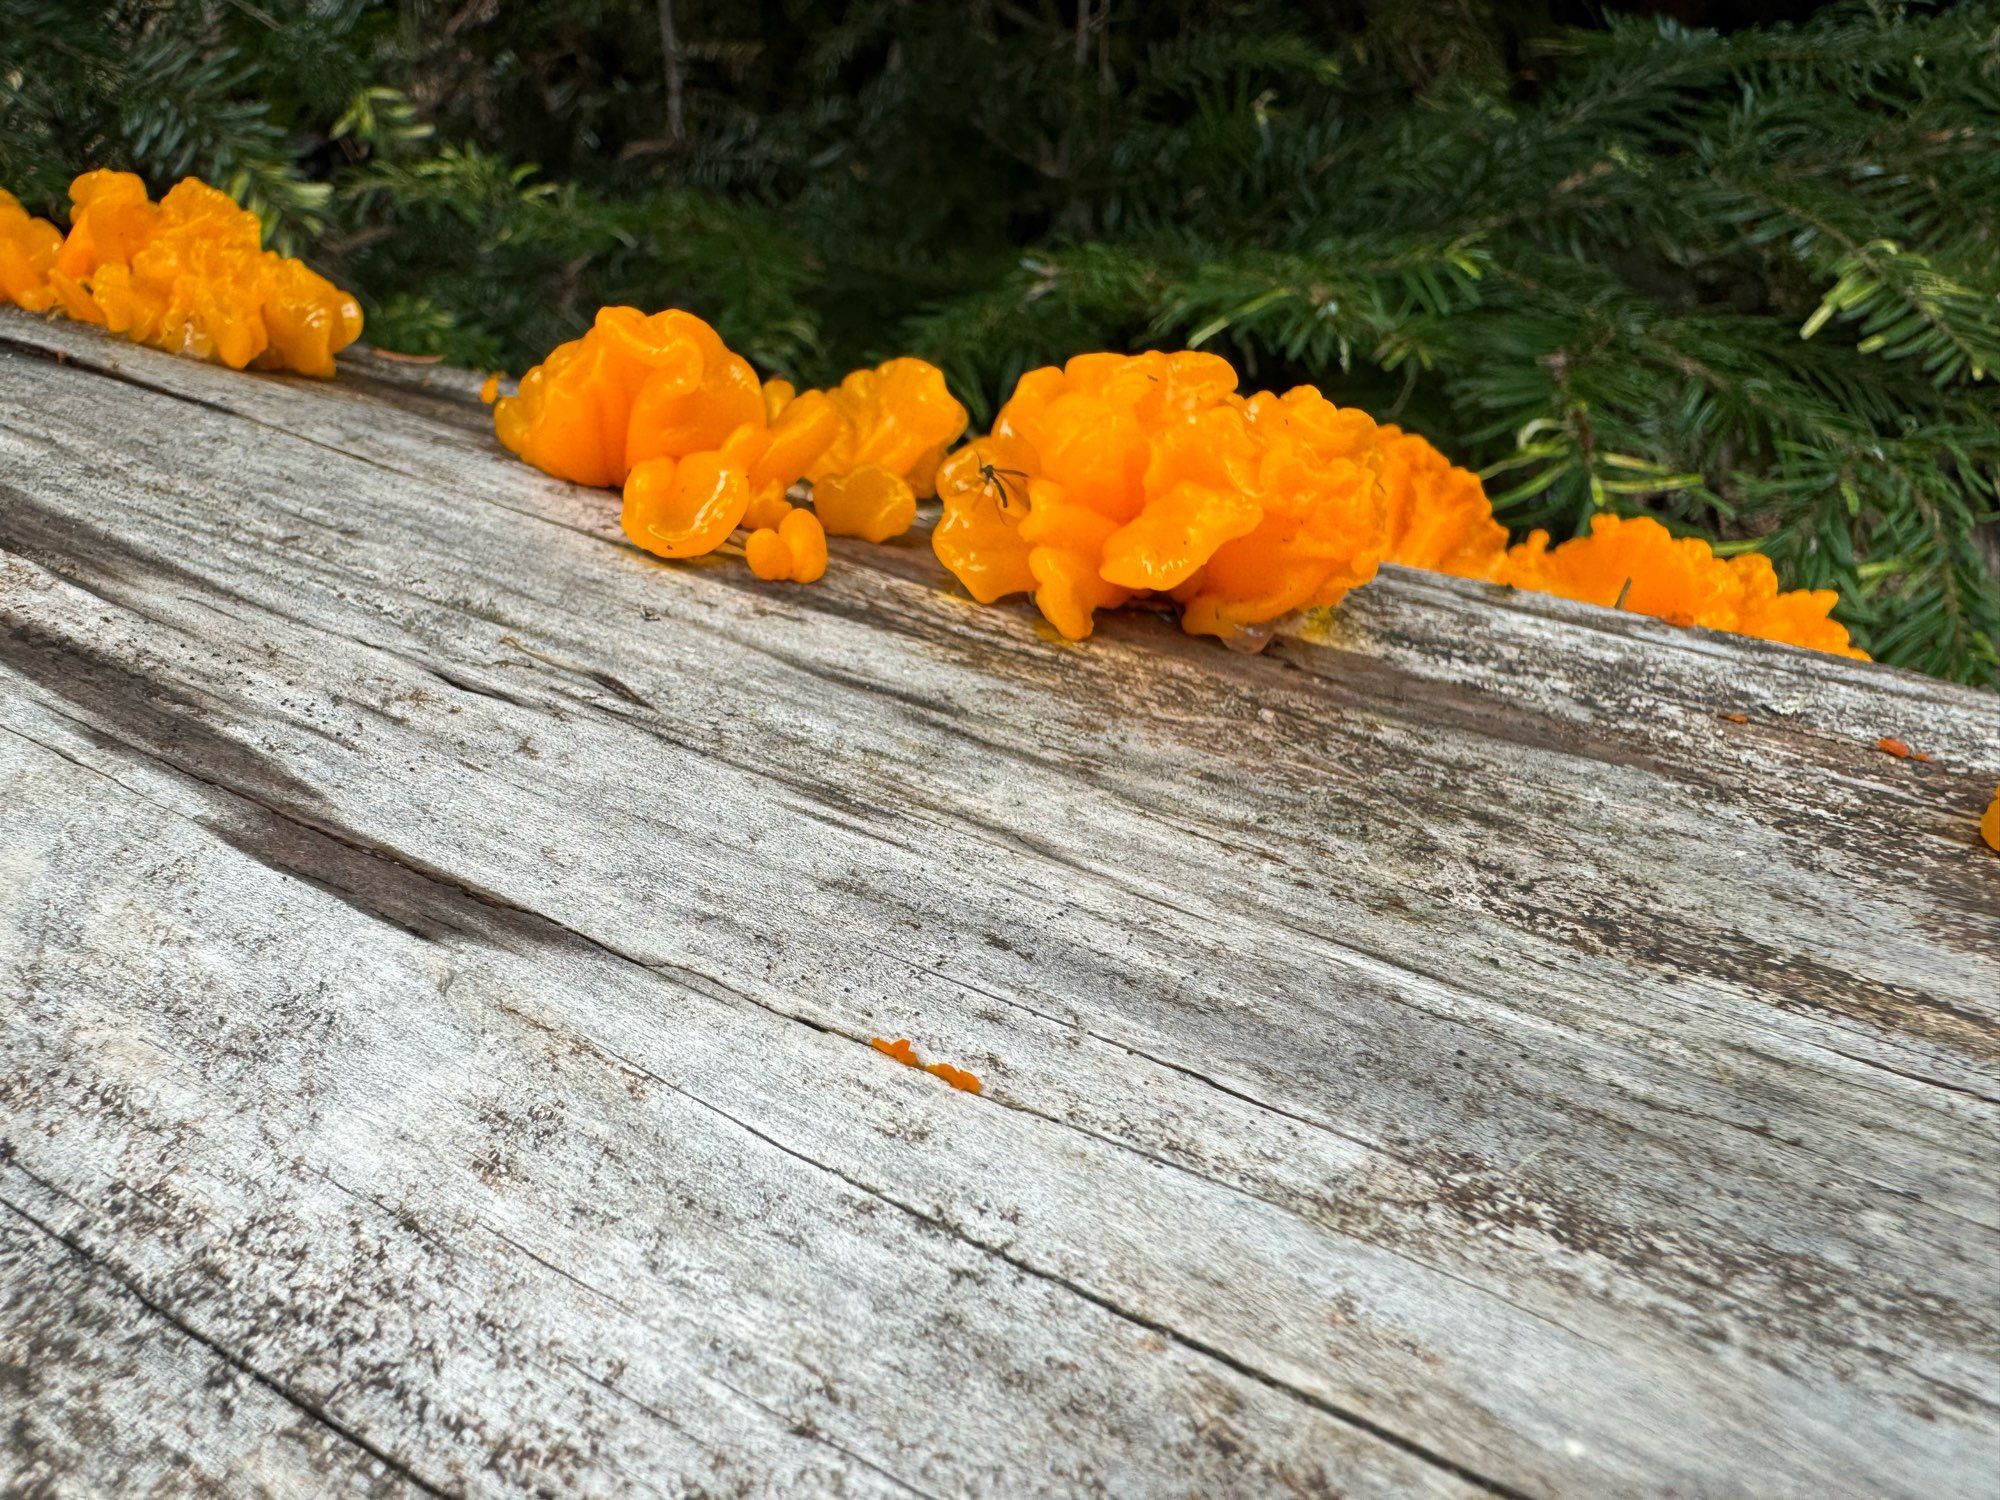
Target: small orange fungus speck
489,389
1989,825
904,1053
1736,718
958,1078
1895,747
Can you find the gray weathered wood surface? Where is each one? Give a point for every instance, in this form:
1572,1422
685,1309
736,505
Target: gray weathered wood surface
440,946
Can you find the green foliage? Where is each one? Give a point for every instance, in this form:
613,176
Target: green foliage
1748,281
168,88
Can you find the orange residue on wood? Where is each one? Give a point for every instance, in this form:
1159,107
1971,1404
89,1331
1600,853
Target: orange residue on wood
904,1053
958,1078
1736,718
1888,745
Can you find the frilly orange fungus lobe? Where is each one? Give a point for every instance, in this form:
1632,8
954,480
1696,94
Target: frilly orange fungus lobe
1118,476
1676,579
684,507
1439,516
661,406
573,415
898,417
188,274
28,249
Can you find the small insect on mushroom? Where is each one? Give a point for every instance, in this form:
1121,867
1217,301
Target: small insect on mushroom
994,478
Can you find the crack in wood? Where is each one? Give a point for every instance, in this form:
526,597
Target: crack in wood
305,1405
1192,1344
125,377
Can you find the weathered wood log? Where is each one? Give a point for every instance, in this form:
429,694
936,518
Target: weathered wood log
440,946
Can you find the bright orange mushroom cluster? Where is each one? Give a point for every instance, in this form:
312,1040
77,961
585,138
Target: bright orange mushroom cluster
661,407
1637,564
28,249
1118,476
1440,519
188,274
1111,478
896,423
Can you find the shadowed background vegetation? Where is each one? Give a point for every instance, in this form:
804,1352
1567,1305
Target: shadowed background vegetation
1736,268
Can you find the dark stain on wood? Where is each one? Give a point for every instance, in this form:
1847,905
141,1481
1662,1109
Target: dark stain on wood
264,811
124,709
77,552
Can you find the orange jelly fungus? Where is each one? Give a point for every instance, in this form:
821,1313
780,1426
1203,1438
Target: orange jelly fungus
1638,565
898,417
28,249
188,274
872,503
889,428
685,507
633,388
1118,476
904,1053
1895,747
661,406
489,389
1439,516
793,551
1989,824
